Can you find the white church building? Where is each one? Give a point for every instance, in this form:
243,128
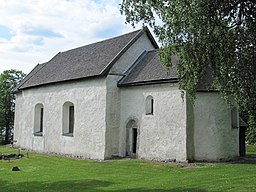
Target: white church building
114,99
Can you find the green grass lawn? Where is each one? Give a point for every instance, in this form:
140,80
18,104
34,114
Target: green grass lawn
51,173
251,150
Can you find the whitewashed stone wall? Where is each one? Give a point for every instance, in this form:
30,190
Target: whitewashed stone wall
131,55
97,112
89,99
113,92
176,130
214,137
161,136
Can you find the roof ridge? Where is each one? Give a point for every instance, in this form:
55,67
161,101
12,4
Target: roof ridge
142,56
154,50
127,72
120,53
95,59
129,44
119,36
30,73
44,64
148,70
25,80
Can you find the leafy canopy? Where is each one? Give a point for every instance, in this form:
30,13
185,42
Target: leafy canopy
8,81
216,34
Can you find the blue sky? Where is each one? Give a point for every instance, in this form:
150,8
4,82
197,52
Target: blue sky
33,31
5,32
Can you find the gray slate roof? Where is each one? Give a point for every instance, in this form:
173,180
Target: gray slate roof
31,74
96,59
148,69
87,61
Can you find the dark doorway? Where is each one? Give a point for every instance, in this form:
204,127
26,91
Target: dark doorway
134,140
242,130
242,148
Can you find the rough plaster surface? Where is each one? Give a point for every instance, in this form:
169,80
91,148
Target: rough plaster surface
105,116
214,137
161,136
176,130
89,99
97,112
124,63
113,93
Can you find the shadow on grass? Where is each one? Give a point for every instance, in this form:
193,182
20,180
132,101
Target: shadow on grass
163,190
79,185
248,159
67,186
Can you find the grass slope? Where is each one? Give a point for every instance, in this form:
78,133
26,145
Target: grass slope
51,173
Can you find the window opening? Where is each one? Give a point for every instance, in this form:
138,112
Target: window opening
41,119
149,105
68,119
38,120
71,119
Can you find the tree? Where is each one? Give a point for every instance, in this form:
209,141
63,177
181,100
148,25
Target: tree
8,81
215,34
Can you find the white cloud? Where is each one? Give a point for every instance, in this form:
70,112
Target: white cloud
41,28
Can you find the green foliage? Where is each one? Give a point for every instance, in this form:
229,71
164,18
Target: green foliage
251,150
8,81
50,173
251,132
215,34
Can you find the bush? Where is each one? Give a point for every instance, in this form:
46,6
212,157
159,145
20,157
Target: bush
251,132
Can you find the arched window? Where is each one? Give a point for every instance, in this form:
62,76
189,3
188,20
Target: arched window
68,119
149,105
38,119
